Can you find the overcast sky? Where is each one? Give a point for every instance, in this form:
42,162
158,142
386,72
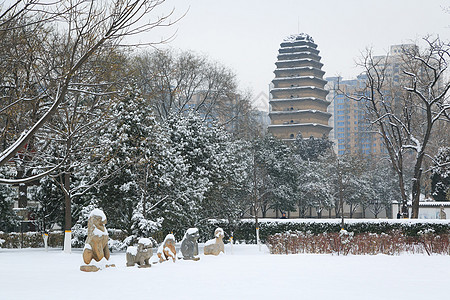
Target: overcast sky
245,35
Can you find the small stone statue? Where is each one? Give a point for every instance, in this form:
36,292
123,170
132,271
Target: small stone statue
141,254
96,246
442,214
167,249
189,244
215,246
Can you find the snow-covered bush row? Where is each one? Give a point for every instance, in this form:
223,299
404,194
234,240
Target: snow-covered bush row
55,240
30,239
344,242
244,230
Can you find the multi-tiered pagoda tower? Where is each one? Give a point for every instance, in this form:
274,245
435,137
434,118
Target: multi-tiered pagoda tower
298,97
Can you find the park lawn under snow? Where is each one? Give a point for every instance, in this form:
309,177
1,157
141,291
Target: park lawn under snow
244,274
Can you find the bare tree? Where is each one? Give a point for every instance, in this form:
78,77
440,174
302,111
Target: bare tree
405,104
67,86
176,81
87,27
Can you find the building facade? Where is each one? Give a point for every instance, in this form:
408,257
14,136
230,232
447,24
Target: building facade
297,96
352,130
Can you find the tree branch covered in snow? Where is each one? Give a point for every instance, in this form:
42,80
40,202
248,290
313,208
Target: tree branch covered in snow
406,95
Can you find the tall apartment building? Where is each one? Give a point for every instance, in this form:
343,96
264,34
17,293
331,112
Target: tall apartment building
298,98
352,131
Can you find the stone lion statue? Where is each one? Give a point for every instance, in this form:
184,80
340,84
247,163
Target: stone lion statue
141,254
96,246
167,249
189,244
215,246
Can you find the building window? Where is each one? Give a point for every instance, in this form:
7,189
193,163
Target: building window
291,136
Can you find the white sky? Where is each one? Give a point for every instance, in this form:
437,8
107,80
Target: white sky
245,35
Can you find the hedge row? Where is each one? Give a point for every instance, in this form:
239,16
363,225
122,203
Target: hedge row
35,240
30,240
244,230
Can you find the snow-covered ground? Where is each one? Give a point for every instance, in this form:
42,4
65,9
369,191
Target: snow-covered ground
244,274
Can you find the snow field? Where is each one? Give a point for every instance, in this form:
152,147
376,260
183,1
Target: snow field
245,274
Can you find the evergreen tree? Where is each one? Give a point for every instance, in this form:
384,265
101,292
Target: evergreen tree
308,177
8,218
270,176
50,210
199,165
385,187
440,175
311,148
316,187
130,155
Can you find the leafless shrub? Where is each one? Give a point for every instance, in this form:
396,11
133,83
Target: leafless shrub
393,243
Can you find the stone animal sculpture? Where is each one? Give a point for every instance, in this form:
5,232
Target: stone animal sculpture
215,246
189,244
167,249
96,246
141,254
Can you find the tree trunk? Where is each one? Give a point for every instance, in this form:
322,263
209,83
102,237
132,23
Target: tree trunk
22,189
23,200
416,194
418,176
67,214
258,242
403,194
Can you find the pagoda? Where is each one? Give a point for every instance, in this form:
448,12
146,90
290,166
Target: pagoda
298,98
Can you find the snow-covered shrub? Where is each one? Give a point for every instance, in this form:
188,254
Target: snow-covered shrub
30,240
8,218
345,243
244,230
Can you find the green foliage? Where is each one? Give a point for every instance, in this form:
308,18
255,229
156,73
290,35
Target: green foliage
50,209
244,230
8,218
440,175
311,148
30,240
